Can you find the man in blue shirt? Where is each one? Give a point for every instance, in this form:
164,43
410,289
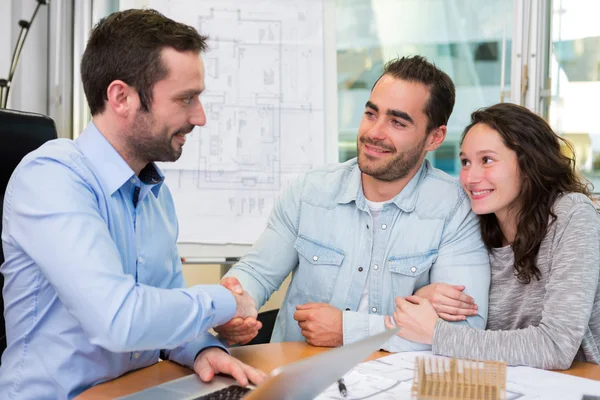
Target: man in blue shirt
356,235
93,281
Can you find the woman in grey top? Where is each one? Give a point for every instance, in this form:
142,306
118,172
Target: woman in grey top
543,235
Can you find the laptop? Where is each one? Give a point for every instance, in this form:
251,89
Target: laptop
304,379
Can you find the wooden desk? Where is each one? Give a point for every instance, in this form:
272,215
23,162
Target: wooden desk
264,356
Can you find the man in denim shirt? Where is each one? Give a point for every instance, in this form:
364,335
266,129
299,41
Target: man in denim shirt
386,224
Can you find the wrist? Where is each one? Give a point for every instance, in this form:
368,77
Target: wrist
208,348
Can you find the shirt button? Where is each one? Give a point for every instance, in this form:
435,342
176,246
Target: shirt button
360,269
374,309
413,269
383,226
140,260
376,267
132,180
315,258
136,355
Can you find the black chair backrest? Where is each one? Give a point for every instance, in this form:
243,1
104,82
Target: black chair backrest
20,133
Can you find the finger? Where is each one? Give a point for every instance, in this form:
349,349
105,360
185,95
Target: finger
308,306
447,301
237,337
301,315
401,302
251,322
457,295
232,284
451,318
304,325
458,287
246,339
306,334
415,299
440,308
233,367
388,322
204,370
254,375
233,323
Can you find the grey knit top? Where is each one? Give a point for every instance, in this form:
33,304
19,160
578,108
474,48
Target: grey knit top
546,323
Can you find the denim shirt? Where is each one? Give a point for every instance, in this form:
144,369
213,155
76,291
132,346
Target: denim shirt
321,231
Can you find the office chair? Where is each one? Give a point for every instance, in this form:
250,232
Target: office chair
20,133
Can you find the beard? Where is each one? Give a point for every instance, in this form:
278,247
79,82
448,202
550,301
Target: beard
393,169
148,141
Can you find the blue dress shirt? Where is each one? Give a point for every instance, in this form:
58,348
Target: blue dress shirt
93,284
321,230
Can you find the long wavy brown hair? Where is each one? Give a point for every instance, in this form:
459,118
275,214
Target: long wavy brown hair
546,170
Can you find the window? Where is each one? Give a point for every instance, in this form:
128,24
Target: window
467,39
575,81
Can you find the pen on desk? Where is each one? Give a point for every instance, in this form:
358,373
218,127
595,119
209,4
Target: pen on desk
342,387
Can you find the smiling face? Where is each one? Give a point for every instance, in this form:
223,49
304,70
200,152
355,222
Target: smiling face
159,134
490,172
392,138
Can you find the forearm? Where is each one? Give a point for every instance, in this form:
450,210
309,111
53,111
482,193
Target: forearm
264,268
186,354
532,346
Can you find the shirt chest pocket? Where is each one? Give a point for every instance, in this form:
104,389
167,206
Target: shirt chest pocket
410,271
318,268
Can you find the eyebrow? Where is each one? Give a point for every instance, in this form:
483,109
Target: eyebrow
190,93
461,154
394,113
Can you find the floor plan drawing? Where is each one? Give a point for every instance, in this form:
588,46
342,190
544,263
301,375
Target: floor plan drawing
264,103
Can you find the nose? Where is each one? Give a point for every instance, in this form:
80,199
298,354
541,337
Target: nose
198,116
474,174
376,131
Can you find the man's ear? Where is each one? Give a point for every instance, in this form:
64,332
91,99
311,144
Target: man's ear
122,98
436,138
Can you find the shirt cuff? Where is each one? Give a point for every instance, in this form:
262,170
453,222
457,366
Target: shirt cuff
223,302
186,354
357,325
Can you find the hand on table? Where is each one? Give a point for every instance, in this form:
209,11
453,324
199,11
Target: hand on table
214,360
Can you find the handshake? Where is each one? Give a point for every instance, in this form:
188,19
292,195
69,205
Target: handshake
243,327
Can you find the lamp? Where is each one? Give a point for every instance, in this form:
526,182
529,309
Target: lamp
25,26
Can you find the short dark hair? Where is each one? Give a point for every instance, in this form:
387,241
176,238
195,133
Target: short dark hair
127,45
546,169
442,93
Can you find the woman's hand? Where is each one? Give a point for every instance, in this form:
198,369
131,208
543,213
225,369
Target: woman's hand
449,301
416,318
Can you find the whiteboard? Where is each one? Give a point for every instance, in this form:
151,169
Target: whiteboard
271,106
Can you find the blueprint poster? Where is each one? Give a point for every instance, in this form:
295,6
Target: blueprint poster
264,102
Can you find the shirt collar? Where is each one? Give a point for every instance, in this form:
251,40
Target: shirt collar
406,200
111,168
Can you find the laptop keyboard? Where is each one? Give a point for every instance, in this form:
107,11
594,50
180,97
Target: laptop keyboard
233,392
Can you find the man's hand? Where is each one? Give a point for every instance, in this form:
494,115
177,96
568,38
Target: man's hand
449,301
213,361
416,318
244,326
321,324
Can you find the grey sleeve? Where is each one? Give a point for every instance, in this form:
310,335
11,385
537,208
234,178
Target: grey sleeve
567,306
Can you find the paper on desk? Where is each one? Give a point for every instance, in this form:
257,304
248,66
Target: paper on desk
391,378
